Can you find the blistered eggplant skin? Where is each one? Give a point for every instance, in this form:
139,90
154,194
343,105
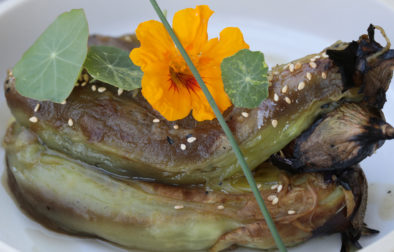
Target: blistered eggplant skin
117,133
340,139
157,217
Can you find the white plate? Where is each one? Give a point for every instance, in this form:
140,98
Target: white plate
284,30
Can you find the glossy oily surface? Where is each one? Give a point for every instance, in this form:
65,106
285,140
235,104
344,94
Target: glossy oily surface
284,31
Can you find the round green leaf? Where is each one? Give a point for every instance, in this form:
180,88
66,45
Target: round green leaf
113,66
244,78
49,69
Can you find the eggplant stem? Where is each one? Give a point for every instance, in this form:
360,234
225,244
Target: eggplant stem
385,49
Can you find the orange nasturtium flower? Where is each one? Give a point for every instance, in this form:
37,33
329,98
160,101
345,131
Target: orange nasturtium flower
168,84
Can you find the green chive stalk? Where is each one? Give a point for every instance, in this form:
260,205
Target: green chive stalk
226,130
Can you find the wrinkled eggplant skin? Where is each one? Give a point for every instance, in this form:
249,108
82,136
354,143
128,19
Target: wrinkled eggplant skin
340,139
72,197
116,133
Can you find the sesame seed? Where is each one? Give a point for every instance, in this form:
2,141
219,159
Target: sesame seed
37,107
276,97
86,77
313,65
291,212
94,88
309,76
274,187
84,84
191,139
120,91
179,207
220,207
287,99
128,38
33,119
275,201
297,66
271,197
280,187
313,59
317,57
324,55
274,123
63,102
101,89
70,122
284,89
156,120
259,186
245,114
176,126
291,68
301,85
324,75
183,147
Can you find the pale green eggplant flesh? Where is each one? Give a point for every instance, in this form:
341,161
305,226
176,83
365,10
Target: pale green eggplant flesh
117,134
79,199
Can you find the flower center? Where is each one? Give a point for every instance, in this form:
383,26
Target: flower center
182,78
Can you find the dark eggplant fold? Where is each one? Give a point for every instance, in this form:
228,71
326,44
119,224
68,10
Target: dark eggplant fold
116,133
340,139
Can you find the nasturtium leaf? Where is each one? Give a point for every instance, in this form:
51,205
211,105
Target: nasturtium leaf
244,78
113,66
49,69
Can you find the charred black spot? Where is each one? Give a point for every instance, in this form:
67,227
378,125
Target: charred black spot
169,140
188,136
7,90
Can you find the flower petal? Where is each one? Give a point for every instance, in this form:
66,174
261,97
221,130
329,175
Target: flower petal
190,25
201,109
156,44
172,104
231,41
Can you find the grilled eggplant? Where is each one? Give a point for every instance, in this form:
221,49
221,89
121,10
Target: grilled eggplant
116,133
341,138
79,199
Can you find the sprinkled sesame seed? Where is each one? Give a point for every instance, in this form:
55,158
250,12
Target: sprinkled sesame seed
309,76
324,55
120,91
176,126
274,187
156,120
191,139
275,201
324,75
86,77
297,66
37,107
128,38
84,84
301,85
70,122
313,59
63,102
317,57
284,89
291,68
280,187
33,119
101,89
178,207
271,197
274,123
94,88
276,97
287,99
183,147
291,212
245,114
220,207
259,186
313,65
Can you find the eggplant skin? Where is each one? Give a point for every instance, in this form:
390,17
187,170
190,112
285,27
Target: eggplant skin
79,199
116,133
340,139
